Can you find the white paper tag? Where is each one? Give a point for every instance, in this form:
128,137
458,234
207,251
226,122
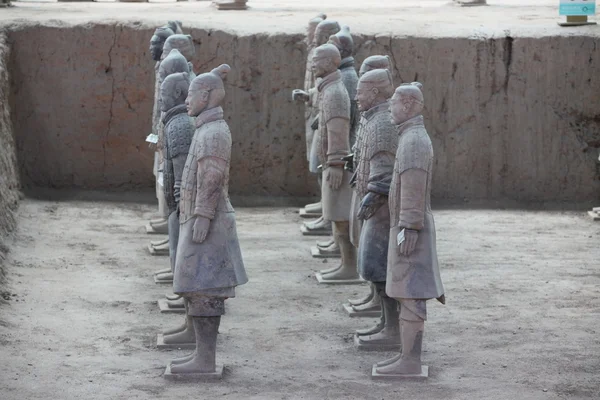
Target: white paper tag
400,238
161,179
152,138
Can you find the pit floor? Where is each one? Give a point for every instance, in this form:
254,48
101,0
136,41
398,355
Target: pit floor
521,320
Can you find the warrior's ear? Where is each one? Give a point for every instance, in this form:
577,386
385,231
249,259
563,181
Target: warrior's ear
177,92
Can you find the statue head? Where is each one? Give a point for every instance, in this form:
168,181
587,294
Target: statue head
407,102
343,41
183,43
174,62
174,90
312,27
375,62
324,30
158,41
326,59
207,91
374,87
175,26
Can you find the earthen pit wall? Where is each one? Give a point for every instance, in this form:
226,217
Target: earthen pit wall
9,182
510,118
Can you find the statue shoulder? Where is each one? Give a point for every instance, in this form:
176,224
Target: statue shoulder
414,150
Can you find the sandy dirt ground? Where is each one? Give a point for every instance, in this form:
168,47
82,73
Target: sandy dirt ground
521,321
427,18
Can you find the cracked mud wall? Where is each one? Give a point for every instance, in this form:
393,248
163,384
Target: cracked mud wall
84,97
510,118
9,182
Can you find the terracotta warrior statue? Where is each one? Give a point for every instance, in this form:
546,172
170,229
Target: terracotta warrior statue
320,226
371,303
413,274
333,144
185,47
157,43
174,63
374,156
309,99
209,262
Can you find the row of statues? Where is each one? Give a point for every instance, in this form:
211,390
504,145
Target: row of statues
367,144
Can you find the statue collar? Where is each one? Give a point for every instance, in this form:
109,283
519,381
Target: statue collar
214,114
406,125
331,78
378,108
347,62
179,109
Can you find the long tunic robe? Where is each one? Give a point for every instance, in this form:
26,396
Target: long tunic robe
215,266
416,276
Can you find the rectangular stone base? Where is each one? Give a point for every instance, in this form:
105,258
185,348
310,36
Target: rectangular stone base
324,232
157,252
594,214
338,282
210,376
160,344
304,214
374,347
162,271
165,309
316,253
387,377
162,282
352,313
576,23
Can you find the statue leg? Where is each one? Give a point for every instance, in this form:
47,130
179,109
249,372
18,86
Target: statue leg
335,243
390,332
206,313
372,305
365,299
347,270
413,315
379,326
184,333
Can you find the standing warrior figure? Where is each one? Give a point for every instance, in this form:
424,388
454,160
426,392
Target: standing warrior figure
157,42
324,30
375,154
333,145
209,261
413,274
371,302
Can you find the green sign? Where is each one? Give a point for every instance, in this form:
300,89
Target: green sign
577,7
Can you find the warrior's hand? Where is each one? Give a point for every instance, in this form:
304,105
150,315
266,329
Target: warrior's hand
201,226
335,175
410,242
349,159
300,95
370,204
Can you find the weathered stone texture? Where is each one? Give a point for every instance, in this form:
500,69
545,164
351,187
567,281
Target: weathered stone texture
510,118
9,182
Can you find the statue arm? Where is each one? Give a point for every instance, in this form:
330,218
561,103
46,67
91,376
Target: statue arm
210,180
381,169
338,130
413,189
178,163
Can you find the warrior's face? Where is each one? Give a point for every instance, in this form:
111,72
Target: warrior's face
399,108
167,97
197,101
156,47
366,94
322,65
